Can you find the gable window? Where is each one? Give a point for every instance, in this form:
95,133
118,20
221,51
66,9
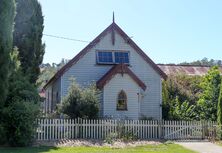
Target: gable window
121,101
112,57
105,57
121,57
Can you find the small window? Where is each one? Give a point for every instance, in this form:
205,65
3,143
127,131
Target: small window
112,57
121,101
104,57
121,57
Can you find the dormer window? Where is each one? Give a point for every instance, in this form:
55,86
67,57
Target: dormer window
112,57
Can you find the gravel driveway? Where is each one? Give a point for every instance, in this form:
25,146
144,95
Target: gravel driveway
202,147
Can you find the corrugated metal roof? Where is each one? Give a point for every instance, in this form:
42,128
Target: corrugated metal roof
185,69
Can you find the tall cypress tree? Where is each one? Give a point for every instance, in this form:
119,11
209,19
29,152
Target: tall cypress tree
7,12
28,37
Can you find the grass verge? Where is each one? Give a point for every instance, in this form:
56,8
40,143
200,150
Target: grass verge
161,148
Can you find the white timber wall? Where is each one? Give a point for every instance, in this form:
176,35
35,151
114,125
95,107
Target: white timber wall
86,71
56,88
48,100
110,95
51,96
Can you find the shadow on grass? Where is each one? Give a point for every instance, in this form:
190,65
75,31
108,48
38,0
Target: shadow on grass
27,149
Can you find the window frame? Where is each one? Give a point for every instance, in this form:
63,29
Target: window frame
126,100
116,57
113,57
97,57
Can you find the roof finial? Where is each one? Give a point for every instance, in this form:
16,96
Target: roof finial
113,17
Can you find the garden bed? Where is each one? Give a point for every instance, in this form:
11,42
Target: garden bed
95,143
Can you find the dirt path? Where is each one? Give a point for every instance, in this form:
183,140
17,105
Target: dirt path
202,147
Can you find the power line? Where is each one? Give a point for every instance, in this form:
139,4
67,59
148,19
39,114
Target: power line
72,39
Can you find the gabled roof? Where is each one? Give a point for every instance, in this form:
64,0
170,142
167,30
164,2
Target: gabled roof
110,28
122,69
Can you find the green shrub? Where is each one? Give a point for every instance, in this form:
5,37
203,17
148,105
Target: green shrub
129,136
122,134
20,111
2,134
111,138
20,122
81,102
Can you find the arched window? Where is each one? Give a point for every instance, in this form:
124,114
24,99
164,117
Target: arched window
121,101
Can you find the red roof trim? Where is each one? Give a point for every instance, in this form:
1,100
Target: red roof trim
120,68
96,40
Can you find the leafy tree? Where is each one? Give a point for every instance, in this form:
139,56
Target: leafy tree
180,93
219,107
81,102
20,122
219,112
208,99
165,101
183,110
21,108
47,71
28,37
204,62
192,97
21,90
45,75
7,12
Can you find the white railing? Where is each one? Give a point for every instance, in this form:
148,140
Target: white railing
56,129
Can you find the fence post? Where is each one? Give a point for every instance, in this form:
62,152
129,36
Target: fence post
203,129
78,127
160,129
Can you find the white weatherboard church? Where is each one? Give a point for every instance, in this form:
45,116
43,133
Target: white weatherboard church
130,82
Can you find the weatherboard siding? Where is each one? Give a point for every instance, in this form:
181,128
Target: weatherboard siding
51,95
86,71
110,96
56,90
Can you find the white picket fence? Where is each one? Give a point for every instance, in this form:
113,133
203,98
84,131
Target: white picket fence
56,129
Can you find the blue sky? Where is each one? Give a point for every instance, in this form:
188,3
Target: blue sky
169,31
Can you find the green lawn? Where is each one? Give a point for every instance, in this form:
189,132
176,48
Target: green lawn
162,148
218,143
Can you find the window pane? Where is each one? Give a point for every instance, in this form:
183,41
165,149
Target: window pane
122,101
105,57
121,57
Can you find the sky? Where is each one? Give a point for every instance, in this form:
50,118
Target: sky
168,31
